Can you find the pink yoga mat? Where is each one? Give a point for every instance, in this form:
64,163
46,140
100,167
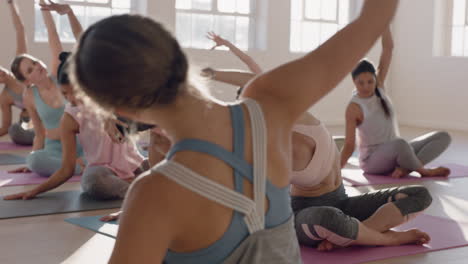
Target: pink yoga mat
13,146
445,234
12,179
357,178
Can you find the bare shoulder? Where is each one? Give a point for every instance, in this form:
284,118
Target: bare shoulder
5,98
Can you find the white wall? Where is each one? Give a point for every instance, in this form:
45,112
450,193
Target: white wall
428,91
330,110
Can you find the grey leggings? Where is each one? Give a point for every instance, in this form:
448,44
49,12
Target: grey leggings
21,136
386,157
102,183
334,216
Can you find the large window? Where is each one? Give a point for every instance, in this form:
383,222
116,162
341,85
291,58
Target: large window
459,30
87,11
232,19
315,21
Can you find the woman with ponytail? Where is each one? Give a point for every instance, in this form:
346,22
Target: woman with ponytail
381,150
43,99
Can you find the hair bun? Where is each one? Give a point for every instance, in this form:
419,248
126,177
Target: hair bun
64,56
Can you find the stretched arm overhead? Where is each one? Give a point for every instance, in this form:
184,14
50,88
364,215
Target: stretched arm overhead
63,9
385,57
234,77
246,59
54,40
39,130
21,43
311,77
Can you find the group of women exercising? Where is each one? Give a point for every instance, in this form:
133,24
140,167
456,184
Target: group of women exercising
235,183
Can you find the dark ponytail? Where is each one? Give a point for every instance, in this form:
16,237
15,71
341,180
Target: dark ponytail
383,102
367,66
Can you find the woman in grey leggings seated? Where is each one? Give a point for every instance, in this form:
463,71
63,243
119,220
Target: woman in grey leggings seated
12,94
325,216
371,112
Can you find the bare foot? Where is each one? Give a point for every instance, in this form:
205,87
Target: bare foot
399,173
326,246
413,236
437,172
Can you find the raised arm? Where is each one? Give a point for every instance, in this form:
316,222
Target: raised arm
39,130
385,57
246,59
297,85
233,77
68,128
63,9
21,43
54,40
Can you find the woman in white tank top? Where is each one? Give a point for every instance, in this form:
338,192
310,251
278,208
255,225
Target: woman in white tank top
371,113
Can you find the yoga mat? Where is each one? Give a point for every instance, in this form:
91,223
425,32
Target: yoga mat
13,146
450,236
94,224
54,203
10,159
357,177
13,179
445,234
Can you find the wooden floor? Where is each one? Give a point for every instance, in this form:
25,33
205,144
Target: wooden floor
49,239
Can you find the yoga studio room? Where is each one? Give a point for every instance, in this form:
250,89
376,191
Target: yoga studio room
234,131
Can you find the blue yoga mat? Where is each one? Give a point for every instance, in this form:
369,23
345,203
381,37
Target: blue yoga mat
10,159
94,224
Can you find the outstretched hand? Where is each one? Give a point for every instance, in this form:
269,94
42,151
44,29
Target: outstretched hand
62,9
21,196
219,41
20,170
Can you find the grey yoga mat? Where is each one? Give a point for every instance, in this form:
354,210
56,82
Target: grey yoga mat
10,159
54,203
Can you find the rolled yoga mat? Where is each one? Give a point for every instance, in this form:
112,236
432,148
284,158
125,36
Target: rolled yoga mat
358,178
450,236
13,179
54,203
10,159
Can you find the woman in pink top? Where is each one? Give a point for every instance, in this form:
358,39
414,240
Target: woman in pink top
110,164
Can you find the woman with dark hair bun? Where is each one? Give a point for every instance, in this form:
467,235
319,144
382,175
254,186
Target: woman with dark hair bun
370,112
222,193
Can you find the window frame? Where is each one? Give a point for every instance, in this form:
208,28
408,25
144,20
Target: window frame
134,7
215,12
350,12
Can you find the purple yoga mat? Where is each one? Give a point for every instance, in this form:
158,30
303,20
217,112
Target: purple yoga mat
445,234
357,178
12,179
13,146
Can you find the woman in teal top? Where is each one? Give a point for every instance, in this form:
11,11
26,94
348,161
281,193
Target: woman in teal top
12,94
43,99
